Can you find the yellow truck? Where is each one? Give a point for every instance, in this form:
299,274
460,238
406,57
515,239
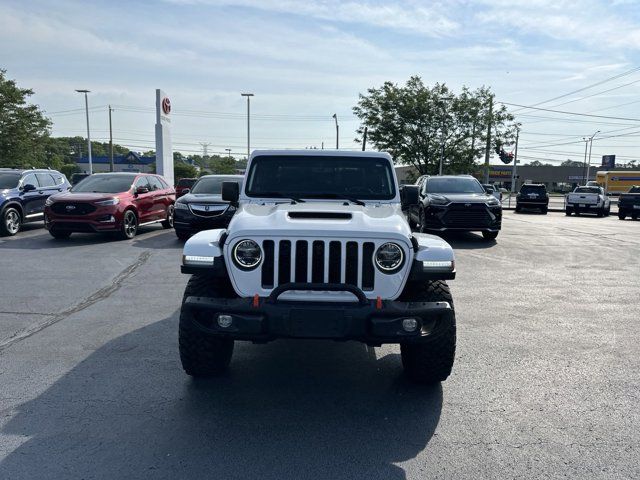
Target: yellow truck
617,182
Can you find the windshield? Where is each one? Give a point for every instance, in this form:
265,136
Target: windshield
293,176
587,190
186,182
454,185
9,180
213,185
105,184
532,189
634,190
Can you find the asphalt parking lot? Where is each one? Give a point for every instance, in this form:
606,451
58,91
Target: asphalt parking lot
546,382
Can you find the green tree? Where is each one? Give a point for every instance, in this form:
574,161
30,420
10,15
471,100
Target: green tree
538,163
223,166
69,169
184,170
23,127
414,122
571,163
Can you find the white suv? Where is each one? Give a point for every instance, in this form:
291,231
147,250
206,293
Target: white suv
318,248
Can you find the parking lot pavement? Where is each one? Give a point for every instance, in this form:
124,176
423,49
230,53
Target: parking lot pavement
546,381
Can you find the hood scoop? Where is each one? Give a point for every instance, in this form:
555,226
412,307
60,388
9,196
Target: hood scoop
319,216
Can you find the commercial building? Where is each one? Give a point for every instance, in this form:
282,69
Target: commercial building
131,162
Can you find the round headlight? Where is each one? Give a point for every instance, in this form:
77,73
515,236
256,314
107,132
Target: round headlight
389,257
247,254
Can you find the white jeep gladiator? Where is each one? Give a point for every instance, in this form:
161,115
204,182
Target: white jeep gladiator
588,200
318,248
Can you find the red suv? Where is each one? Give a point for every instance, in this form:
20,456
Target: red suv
111,202
184,185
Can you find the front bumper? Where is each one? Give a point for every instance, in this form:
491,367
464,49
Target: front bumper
103,219
369,321
467,217
186,221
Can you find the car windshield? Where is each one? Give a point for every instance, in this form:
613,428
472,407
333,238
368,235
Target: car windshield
294,176
634,190
9,180
105,184
186,182
454,185
587,190
532,189
213,185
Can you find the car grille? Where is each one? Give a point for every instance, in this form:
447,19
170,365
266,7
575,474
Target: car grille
318,261
73,208
460,215
210,210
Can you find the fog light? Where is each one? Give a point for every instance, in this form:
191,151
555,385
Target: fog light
409,324
225,321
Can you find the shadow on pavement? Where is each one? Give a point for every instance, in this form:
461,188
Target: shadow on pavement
467,240
288,409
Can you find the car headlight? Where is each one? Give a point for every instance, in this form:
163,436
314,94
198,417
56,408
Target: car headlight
389,257
438,201
181,206
111,201
492,202
247,254
48,202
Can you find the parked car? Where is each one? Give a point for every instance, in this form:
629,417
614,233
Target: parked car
493,190
318,249
532,196
588,200
111,202
203,208
456,203
629,203
77,177
23,194
184,185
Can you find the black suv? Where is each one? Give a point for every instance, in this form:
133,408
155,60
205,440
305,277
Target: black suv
457,203
533,196
629,203
23,193
202,208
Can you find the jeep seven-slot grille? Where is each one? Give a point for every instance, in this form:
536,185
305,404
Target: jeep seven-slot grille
318,261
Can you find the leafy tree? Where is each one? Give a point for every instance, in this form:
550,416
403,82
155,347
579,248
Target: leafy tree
223,166
414,122
184,170
538,163
69,169
23,127
571,163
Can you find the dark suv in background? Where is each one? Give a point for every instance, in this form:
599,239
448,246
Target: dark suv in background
184,185
23,194
456,203
203,208
532,196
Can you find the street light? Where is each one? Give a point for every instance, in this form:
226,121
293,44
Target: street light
335,116
248,95
515,164
86,108
228,150
590,145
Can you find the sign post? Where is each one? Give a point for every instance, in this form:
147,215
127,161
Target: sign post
164,150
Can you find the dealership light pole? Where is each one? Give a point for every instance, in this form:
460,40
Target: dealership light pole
86,108
248,95
584,164
335,117
110,141
515,163
228,150
590,145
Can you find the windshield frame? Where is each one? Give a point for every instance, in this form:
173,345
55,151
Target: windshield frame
383,160
98,176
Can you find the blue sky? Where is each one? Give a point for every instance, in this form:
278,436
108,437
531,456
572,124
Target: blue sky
307,60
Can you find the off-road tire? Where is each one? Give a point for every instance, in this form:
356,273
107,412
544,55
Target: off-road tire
431,360
59,235
168,223
203,354
184,236
490,235
10,222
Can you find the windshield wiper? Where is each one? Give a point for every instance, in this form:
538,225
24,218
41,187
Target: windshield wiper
343,197
279,195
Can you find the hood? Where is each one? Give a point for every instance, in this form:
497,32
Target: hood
201,198
463,197
84,197
320,219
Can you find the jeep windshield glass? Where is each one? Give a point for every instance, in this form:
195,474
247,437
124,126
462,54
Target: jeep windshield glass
335,177
454,185
9,180
213,185
110,183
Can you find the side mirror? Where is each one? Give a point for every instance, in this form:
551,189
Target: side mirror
28,187
230,192
185,191
409,195
141,190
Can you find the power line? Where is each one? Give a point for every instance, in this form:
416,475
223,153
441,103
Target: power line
572,113
594,94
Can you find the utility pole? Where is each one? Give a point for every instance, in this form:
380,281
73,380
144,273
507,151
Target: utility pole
335,116
515,164
590,145
228,150
110,142
584,168
488,146
322,146
248,95
86,108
